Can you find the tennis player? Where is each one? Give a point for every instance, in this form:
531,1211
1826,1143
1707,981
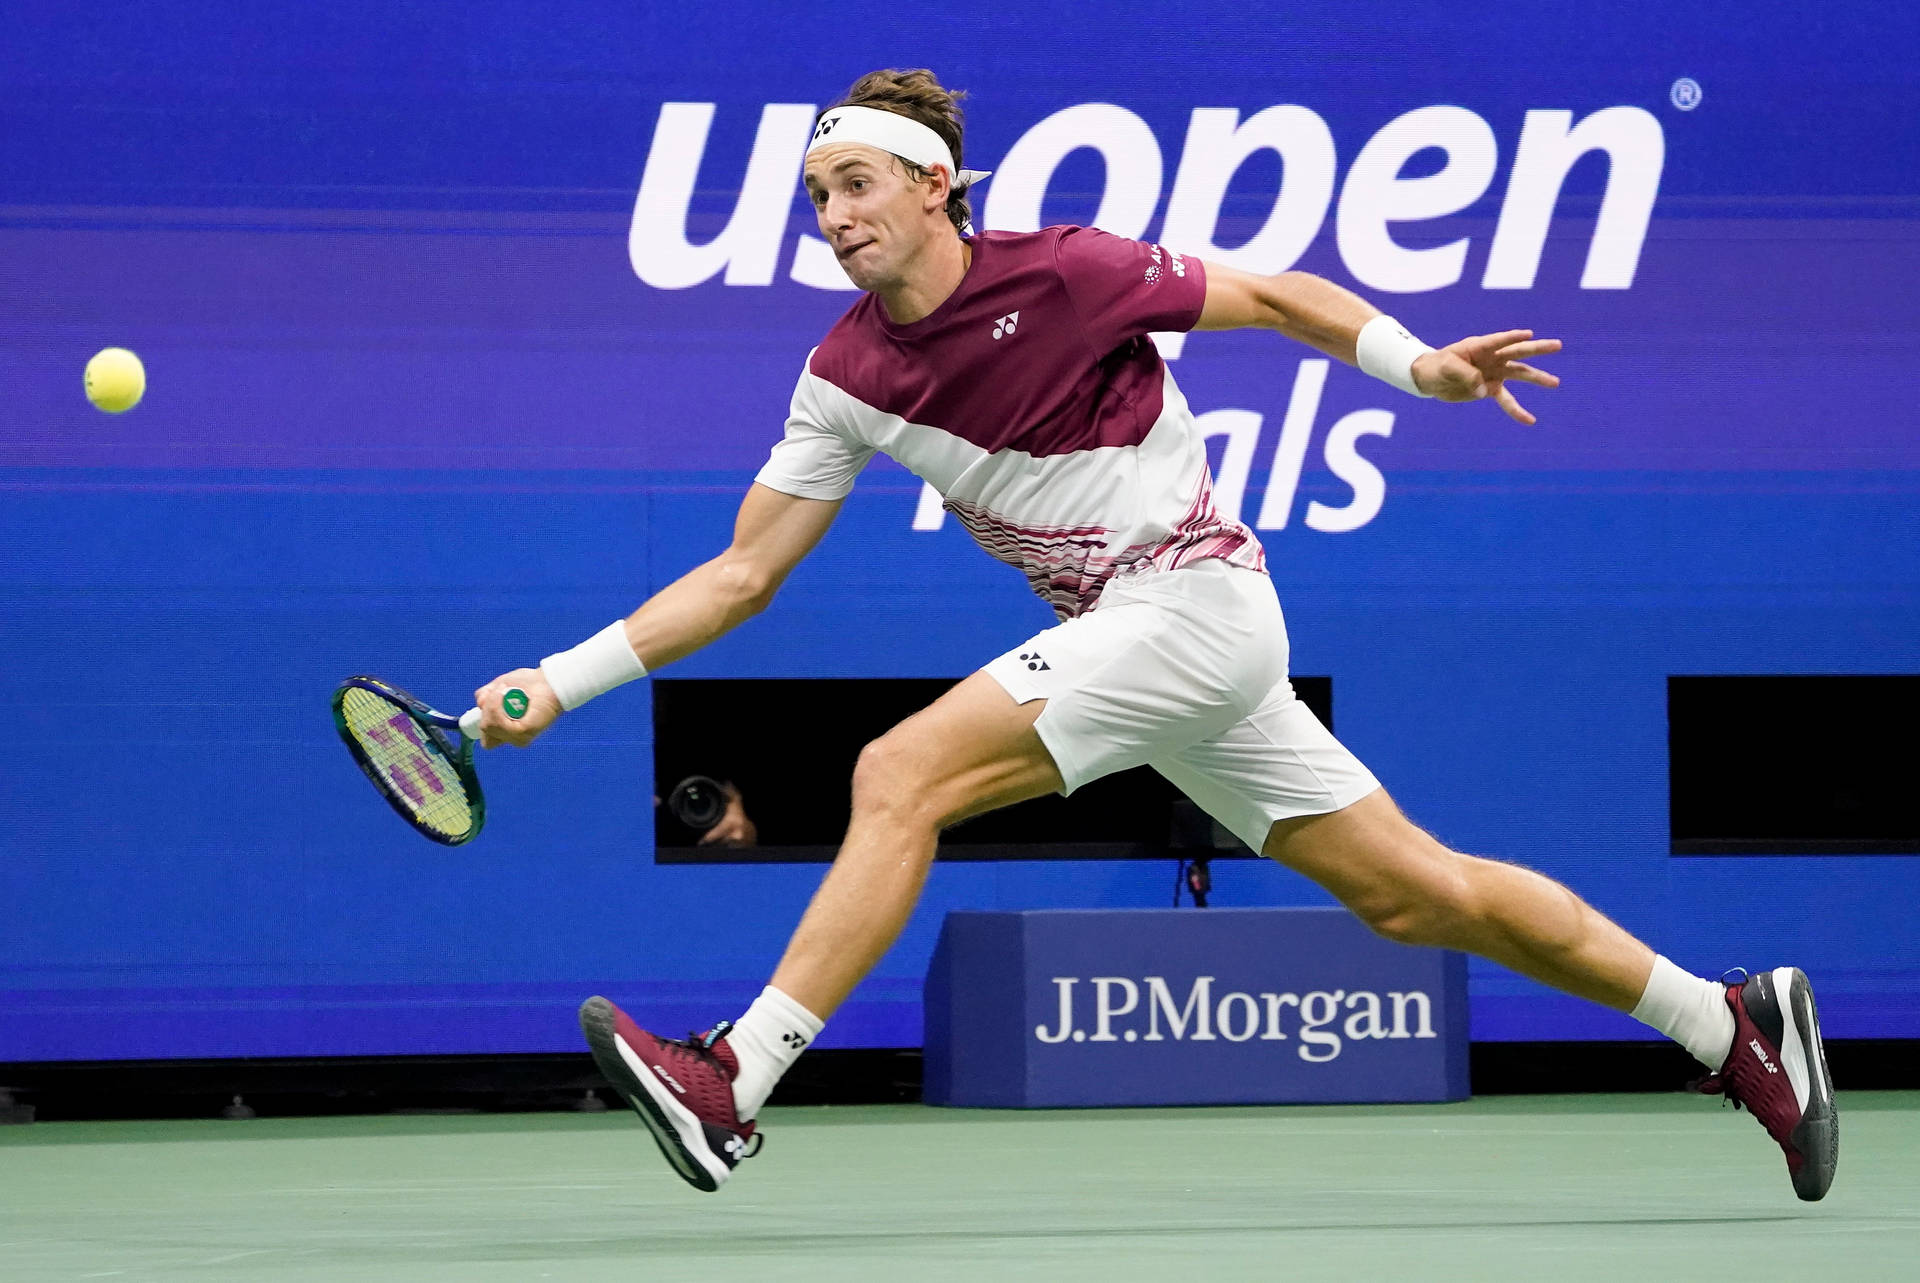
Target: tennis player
1014,373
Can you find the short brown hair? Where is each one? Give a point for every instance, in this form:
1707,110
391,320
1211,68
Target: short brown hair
918,95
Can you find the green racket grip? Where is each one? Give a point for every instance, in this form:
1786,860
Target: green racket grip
513,703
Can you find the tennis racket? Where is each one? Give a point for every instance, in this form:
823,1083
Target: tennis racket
403,746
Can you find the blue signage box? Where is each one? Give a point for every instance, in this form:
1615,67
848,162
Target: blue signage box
1189,1007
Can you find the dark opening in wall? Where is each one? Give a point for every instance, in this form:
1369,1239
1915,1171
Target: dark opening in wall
1794,765
789,747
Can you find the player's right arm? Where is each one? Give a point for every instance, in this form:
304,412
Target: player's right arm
788,509
771,535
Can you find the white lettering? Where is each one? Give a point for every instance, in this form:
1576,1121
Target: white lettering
1218,143
1103,1009
1065,985
1223,1017
1401,1001
1128,193
1217,146
1325,1015
1274,1002
1199,1010
1241,428
1365,1020
1343,457
1375,195
748,247
1296,430
1313,1031
1636,151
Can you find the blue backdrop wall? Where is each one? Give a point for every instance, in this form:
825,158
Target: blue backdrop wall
467,324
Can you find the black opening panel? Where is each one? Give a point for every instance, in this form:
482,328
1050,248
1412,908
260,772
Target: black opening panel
789,746
1802,765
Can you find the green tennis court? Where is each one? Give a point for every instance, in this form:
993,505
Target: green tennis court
1562,1188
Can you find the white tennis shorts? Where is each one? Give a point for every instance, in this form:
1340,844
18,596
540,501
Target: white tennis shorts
1186,671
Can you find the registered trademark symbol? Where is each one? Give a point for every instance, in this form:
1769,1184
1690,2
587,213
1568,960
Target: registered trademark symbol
1686,93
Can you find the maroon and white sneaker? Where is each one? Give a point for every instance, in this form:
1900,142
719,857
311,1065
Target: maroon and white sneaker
682,1090
1778,1070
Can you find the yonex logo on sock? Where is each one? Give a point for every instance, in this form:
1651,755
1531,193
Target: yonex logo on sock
794,1040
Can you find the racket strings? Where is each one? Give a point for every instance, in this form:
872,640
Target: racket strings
414,770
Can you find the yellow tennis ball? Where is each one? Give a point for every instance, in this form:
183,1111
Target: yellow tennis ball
115,380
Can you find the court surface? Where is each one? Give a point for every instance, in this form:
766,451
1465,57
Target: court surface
1637,1188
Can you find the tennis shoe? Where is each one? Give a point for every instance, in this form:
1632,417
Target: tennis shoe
1777,1069
682,1090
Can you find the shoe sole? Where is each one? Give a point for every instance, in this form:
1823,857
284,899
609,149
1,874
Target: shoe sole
671,1123
1817,1135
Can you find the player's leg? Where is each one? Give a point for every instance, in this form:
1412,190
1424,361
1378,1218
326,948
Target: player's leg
973,750
1760,1035
1409,887
1282,783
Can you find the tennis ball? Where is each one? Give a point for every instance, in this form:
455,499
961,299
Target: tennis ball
115,380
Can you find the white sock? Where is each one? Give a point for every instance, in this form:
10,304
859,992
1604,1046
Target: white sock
1691,1011
768,1039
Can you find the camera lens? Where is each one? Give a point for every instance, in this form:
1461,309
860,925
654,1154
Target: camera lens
698,802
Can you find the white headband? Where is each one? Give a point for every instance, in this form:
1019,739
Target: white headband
908,139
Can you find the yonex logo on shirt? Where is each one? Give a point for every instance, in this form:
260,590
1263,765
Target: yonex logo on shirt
1006,324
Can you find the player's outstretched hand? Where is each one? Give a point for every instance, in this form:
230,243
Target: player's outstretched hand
1481,367
496,728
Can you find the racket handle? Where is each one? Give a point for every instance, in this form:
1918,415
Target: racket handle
513,704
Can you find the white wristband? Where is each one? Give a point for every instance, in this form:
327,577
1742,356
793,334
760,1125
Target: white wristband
594,667
1387,352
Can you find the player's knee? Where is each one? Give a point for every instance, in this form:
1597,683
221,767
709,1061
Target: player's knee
889,781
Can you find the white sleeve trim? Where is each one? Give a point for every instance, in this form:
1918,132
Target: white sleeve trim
820,456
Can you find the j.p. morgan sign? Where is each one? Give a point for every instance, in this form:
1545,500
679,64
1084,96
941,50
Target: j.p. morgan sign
1165,1007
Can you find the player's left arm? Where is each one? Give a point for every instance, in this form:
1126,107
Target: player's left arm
1323,315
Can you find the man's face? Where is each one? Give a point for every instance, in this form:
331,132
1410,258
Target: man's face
875,218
